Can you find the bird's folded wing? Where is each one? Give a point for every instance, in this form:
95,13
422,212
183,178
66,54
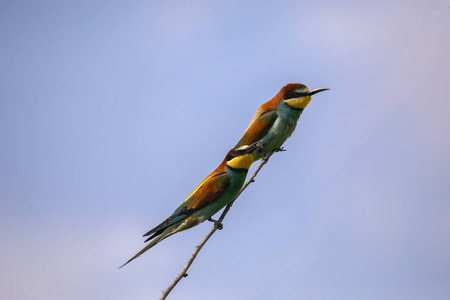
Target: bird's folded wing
206,192
212,189
259,126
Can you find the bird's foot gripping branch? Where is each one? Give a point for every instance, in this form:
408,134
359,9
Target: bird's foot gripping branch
217,223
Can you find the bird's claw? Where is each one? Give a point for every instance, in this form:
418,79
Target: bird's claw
260,148
265,156
217,223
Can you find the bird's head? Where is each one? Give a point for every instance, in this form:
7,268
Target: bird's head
241,158
297,95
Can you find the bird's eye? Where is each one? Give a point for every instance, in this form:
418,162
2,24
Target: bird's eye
236,153
293,94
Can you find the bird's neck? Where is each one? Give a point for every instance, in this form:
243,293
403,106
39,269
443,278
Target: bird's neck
288,114
236,175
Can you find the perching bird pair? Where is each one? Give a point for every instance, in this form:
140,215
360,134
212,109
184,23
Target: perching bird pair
272,124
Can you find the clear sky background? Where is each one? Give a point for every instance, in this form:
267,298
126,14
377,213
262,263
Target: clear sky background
111,113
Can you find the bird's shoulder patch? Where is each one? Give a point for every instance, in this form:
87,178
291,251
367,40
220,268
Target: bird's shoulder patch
209,191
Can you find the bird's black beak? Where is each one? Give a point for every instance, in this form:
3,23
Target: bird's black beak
315,91
252,147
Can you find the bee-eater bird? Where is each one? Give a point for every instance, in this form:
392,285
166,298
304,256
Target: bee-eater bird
275,120
217,190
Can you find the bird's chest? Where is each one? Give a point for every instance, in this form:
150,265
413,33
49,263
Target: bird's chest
284,128
237,179
280,131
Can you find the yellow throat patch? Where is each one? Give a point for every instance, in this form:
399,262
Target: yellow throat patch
299,103
241,162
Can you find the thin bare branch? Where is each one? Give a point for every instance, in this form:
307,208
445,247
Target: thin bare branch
217,225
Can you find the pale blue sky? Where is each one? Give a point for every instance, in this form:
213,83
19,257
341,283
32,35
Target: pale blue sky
112,112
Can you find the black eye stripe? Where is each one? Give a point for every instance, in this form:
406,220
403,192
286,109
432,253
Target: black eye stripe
291,95
233,154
